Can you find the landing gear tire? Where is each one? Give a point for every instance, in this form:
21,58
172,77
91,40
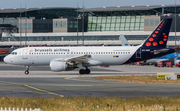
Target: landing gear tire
26,72
81,71
87,71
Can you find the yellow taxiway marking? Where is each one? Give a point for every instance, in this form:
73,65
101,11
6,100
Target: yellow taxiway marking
33,88
77,79
22,91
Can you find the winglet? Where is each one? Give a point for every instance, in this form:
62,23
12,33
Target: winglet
124,41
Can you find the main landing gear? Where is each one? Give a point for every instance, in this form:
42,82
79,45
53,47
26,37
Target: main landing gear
84,71
27,70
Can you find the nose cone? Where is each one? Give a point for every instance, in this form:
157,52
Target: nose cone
6,59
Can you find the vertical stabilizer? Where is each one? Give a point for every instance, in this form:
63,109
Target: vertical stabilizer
159,37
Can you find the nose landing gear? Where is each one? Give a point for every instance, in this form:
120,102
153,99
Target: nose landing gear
27,70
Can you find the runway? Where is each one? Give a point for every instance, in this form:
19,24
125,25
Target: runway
68,84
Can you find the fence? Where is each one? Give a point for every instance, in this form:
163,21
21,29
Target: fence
18,109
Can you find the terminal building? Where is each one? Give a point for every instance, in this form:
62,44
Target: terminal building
62,26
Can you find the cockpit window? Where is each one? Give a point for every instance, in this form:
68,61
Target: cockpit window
14,53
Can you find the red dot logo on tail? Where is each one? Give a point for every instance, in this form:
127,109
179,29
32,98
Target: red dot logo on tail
151,39
165,39
148,44
161,42
154,35
155,43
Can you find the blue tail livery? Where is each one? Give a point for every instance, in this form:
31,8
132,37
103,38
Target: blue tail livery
159,36
155,45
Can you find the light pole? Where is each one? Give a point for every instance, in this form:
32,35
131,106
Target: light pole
175,23
83,26
77,24
20,27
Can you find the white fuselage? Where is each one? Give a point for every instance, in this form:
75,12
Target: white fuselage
43,55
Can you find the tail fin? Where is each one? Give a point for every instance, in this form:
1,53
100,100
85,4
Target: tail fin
159,36
124,41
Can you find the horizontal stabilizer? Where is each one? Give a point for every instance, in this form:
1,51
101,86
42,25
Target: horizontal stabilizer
160,51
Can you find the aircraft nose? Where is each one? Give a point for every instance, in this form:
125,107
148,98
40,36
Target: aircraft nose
6,59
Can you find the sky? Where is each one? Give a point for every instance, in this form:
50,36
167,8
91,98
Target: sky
87,3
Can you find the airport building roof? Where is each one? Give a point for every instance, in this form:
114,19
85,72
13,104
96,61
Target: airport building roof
126,8
39,13
116,8
21,10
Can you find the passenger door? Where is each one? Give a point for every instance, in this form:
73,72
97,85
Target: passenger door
25,54
138,53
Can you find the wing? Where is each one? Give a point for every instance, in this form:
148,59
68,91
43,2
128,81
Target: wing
75,59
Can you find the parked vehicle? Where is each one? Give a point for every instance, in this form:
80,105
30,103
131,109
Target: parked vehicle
169,64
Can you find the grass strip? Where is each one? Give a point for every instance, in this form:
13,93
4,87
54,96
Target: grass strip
140,79
93,103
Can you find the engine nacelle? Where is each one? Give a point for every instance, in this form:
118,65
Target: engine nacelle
57,66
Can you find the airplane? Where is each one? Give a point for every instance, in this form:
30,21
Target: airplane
177,60
167,57
69,58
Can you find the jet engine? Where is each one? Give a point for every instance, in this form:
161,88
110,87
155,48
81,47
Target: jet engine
57,66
